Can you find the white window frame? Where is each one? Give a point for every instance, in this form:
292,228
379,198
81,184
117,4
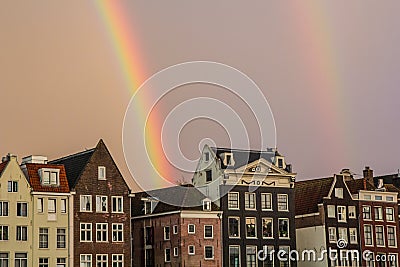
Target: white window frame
175,229
101,260
165,255
20,209
194,229
101,170
100,229
116,229
272,227
380,213
230,194
61,238
100,200
194,250
167,234
176,253
212,232
117,260
395,236
212,252
85,260
238,220
83,204
331,211
229,253
64,205
116,199
207,205
21,233
341,212
265,201
43,233
383,235
343,233
364,208
352,212
51,205
288,228
5,237
339,192
61,262
332,233
255,227
286,202
391,214
353,236
40,205
250,201
396,263
86,231
4,208
372,235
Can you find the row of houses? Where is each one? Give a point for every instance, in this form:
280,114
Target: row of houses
242,208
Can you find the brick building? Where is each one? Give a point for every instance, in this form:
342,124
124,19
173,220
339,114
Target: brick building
186,233
101,208
255,192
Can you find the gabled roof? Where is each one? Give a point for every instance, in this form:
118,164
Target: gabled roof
242,157
3,165
310,193
74,165
177,198
32,170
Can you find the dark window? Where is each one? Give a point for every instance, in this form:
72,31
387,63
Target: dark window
280,163
208,252
233,227
166,233
167,255
12,186
208,231
22,233
250,227
22,209
149,235
208,176
3,208
367,212
267,227
234,252
283,227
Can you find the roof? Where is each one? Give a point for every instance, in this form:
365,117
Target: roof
310,193
243,157
74,165
172,199
3,165
33,177
358,184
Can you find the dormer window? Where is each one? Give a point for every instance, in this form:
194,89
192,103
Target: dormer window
280,162
101,172
228,160
149,205
206,204
49,176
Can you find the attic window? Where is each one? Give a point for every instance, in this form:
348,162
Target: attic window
208,176
206,205
228,159
101,173
206,156
339,192
49,176
280,163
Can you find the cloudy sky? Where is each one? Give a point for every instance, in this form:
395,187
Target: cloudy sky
329,71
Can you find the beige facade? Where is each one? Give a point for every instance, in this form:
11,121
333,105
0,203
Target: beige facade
15,218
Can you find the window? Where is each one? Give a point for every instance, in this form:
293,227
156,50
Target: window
251,227
191,229
341,213
208,176
175,229
43,262
285,259
4,260
353,235
380,241
207,205
251,260
269,257
342,233
21,259
40,205
3,208
378,197
167,234
22,233
117,204
267,228
266,201
148,207
391,232
280,163
283,227
370,260
86,232
63,205
390,214
388,198
101,203
368,235
208,231
233,200
22,209
101,232
208,252
86,203
43,238
117,232
331,211
191,250
101,260
332,234
378,212
352,212
12,186
175,251
234,256
101,171
228,160
167,255
51,205
148,238
282,202
250,201
367,212
117,260
85,260
3,232
233,226
206,156
61,237
61,262
392,259
49,176
367,197
339,192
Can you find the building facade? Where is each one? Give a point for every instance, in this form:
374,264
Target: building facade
187,234
101,208
255,192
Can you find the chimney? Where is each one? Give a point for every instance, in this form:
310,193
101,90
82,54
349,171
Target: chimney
8,157
347,174
34,159
368,174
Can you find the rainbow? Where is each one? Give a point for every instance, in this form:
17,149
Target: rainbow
127,50
316,45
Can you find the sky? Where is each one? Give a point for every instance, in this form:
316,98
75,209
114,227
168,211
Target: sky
329,70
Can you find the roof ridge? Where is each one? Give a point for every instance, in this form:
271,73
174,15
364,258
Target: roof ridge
314,179
240,149
73,155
